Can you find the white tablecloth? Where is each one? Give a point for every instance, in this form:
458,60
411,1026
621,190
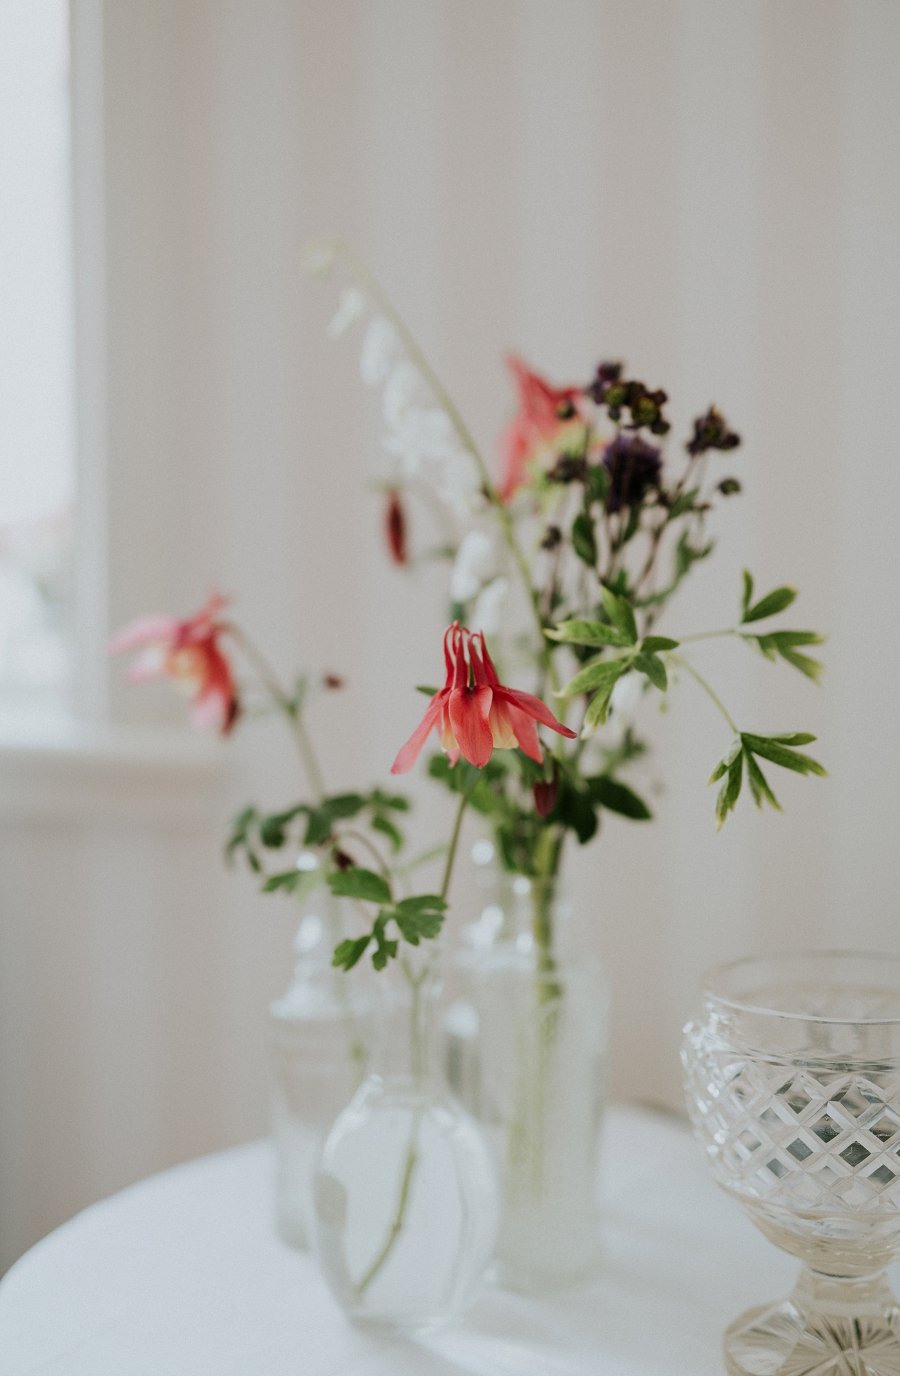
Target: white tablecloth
182,1275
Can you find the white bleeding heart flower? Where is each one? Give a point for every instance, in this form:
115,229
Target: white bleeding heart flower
381,350
319,258
352,306
475,566
405,391
459,486
487,613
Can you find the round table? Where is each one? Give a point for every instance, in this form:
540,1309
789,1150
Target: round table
183,1275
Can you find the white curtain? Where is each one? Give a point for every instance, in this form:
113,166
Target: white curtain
709,191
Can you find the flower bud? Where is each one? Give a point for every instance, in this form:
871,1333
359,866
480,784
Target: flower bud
546,794
395,528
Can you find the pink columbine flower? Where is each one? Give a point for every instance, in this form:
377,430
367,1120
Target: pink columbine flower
539,421
187,652
474,712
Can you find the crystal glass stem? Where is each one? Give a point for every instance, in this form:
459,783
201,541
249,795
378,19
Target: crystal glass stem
829,1325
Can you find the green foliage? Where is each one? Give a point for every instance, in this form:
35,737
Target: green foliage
620,612
583,539
742,756
412,920
597,709
597,484
598,674
576,809
778,644
617,797
784,644
651,665
589,633
304,825
683,504
300,883
601,673
686,555
240,839
770,605
360,883
483,787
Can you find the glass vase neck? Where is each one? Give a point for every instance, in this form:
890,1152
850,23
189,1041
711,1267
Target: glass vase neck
408,1050
527,913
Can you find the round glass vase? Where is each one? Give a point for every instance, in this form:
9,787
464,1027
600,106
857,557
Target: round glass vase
319,1033
405,1191
526,1050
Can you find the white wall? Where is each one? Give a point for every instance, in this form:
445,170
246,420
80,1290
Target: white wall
710,191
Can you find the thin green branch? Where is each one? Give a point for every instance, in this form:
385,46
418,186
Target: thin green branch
707,688
707,635
453,845
269,680
397,1222
361,839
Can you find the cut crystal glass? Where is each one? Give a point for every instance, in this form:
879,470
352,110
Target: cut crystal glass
792,1078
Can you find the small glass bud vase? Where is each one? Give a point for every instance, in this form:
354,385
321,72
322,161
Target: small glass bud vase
526,1051
319,1032
405,1192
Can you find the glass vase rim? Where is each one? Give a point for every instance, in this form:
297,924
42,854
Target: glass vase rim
714,980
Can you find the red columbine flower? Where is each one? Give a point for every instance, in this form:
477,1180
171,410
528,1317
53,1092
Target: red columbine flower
544,412
188,653
474,712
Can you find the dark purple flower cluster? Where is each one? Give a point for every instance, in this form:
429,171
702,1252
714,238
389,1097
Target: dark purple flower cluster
633,466
622,395
711,432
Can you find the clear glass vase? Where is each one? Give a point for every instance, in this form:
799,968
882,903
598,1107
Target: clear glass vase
526,1043
319,1033
405,1192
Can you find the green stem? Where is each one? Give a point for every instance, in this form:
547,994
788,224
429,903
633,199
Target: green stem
396,1226
356,1048
418,1067
707,688
453,845
548,852
660,529
417,1064
352,834
464,434
417,1033
707,635
269,680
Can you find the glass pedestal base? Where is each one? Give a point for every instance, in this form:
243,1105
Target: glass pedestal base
830,1326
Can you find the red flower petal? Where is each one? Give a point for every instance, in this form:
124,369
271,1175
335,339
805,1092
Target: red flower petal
537,422
469,712
526,732
409,753
537,709
147,630
210,709
515,448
